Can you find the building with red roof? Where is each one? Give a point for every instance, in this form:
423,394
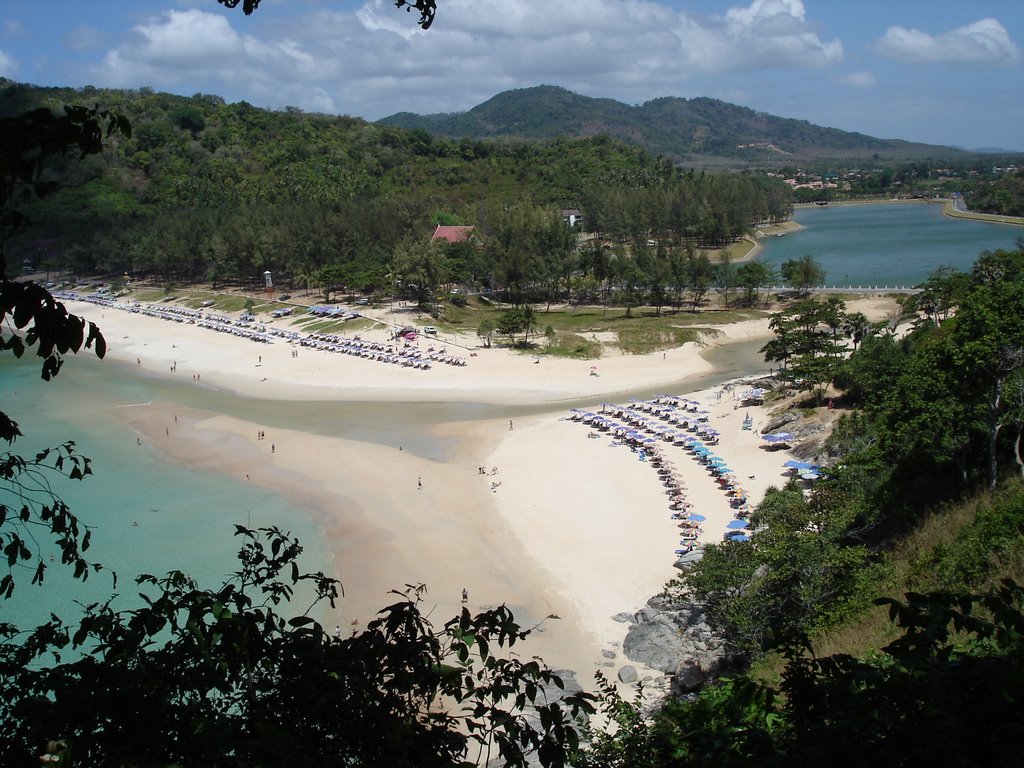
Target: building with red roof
453,234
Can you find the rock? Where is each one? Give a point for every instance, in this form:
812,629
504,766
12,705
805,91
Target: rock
689,676
628,674
623,618
780,420
608,654
663,639
645,614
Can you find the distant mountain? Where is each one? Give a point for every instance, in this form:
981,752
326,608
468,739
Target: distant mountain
675,127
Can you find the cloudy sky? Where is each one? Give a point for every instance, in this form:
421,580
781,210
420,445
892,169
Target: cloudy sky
939,71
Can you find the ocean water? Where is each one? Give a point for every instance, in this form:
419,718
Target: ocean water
888,244
146,516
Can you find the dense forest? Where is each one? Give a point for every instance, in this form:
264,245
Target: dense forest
209,191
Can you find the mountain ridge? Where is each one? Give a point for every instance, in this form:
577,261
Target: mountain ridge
669,125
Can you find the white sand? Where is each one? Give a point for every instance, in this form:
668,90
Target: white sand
576,528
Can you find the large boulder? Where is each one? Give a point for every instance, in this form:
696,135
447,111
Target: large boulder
663,636
777,421
628,674
689,677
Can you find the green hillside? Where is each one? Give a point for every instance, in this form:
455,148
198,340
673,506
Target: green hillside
207,190
681,128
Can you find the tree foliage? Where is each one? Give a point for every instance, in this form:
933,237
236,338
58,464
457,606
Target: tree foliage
219,677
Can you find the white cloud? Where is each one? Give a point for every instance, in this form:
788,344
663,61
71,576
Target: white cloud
983,42
858,80
627,49
8,65
376,60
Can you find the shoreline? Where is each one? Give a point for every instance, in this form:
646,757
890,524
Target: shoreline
946,203
576,527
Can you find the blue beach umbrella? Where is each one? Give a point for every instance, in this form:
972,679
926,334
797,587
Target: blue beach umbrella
739,536
737,524
794,464
696,518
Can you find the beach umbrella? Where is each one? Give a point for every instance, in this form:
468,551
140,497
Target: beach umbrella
737,524
794,464
696,518
739,536
781,437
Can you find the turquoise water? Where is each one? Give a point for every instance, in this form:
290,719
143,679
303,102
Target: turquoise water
142,520
886,245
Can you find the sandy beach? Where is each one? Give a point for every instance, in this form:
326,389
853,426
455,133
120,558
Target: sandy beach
528,511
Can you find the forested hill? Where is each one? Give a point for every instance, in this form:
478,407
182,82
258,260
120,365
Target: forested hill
204,188
674,127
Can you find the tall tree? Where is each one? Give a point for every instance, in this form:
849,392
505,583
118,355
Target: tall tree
802,274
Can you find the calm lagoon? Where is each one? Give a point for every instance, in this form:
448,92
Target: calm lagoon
889,244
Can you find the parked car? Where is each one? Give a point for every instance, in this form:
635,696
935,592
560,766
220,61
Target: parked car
284,297
430,329
209,303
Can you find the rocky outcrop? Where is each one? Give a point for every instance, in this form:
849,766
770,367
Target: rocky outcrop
674,638
779,420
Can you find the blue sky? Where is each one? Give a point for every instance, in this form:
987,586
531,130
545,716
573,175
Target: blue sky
938,71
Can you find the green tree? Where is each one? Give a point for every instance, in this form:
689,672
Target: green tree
802,274
700,273
485,330
752,277
807,342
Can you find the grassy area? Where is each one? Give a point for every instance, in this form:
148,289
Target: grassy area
638,331
575,346
581,332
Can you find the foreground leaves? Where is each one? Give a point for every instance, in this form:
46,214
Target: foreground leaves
220,678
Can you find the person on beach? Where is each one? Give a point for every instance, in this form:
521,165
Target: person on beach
510,425
273,448
419,483
465,595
